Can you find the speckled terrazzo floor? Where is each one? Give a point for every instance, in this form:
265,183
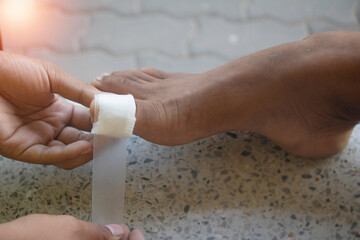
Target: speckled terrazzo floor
229,186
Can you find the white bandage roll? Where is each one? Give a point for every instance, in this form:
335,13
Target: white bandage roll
115,115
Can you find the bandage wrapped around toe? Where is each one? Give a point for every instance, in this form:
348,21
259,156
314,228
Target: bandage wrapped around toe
114,115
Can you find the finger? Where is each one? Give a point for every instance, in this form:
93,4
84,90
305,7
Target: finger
42,154
68,86
70,135
110,232
136,235
75,162
81,119
116,230
56,143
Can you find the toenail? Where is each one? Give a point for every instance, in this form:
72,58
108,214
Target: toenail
100,78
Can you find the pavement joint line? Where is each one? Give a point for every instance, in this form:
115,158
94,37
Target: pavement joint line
138,5
140,51
83,32
134,61
211,54
195,55
245,8
357,11
137,62
134,14
291,23
191,36
90,12
296,22
308,29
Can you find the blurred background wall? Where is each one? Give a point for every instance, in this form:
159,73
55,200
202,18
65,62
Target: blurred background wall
88,37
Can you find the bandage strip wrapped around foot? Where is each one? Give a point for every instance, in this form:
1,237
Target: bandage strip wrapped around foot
114,115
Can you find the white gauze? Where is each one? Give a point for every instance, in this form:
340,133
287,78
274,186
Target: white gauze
115,123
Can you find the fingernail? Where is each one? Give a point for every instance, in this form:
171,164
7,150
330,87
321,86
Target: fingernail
116,230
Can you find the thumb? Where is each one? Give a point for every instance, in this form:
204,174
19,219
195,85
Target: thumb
68,86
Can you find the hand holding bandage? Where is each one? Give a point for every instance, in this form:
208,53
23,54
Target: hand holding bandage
38,126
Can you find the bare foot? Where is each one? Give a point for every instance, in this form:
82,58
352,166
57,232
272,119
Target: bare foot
172,108
294,94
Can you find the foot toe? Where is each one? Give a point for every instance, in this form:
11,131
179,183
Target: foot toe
100,77
155,72
137,76
121,83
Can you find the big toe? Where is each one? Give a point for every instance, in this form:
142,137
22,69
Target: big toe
121,83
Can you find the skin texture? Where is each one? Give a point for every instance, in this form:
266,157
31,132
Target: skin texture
303,95
46,227
37,125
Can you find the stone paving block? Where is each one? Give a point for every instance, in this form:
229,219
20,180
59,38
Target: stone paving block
121,6
294,10
86,65
46,28
186,8
237,39
128,35
189,65
317,27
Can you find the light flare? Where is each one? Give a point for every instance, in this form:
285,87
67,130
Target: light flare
16,12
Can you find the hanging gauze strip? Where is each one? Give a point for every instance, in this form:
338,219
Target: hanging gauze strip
114,120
